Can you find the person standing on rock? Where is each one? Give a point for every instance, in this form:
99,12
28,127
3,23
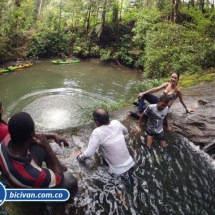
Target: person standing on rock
171,89
156,114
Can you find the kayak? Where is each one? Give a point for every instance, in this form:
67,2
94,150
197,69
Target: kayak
22,66
5,70
66,62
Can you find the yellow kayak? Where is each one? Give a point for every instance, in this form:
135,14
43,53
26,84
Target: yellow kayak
22,66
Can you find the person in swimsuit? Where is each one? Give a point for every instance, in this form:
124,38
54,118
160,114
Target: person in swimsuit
171,89
156,114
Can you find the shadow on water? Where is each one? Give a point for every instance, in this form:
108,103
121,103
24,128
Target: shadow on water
178,179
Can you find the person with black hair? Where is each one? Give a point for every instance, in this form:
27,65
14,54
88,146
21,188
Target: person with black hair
22,153
156,114
3,124
109,136
171,89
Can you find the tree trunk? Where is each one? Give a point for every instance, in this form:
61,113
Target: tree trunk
59,23
104,14
201,5
175,10
88,20
120,12
40,9
18,3
103,18
97,11
191,3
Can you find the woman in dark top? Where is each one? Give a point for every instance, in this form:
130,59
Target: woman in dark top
171,89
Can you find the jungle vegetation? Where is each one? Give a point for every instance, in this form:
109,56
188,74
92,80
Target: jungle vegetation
157,36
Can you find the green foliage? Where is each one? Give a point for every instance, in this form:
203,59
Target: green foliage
105,55
201,22
138,86
126,56
50,43
172,47
81,48
197,78
98,29
110,106
15,20
5,49
131,14
95,51
135,33
146,20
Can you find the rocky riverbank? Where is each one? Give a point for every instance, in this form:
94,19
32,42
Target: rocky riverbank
198,127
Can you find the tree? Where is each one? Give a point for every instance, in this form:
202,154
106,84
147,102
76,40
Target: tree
175,10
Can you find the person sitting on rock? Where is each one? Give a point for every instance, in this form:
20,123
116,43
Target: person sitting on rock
22,153
171,89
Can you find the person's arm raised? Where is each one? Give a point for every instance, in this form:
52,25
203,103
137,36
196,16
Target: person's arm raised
153,90
52,160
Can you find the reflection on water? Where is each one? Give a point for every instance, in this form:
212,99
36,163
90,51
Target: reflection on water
59,108
179,179
57,95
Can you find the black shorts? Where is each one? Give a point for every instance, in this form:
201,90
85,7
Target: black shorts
160,135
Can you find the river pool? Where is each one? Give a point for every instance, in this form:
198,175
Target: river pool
179,179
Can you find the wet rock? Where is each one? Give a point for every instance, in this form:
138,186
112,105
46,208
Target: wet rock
198,127
210,149
56,148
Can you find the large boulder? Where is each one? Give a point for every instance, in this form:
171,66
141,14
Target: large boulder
198,127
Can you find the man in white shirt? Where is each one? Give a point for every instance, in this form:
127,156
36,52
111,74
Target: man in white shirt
109,136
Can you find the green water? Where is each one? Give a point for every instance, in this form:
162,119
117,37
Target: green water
57,95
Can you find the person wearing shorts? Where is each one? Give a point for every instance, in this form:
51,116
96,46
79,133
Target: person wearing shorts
156,114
